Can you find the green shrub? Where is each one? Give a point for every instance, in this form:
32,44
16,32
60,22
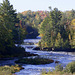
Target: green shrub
70,68
35,61
58,68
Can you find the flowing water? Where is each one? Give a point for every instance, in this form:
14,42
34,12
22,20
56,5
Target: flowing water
63,57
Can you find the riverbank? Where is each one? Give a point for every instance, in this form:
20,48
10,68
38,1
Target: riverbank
62,57
59,70
10,70
55,49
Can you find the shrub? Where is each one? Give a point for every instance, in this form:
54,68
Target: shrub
9,70
70,68
35,61
58,68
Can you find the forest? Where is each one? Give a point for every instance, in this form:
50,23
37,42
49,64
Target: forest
56,28
57,32
9,31
32,20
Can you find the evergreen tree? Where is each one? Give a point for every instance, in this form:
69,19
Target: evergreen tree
8,17
8,20
50,27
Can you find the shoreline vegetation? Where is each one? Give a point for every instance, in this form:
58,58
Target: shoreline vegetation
54,49
35,61
18,52
56,28
59,70
68,70
10,70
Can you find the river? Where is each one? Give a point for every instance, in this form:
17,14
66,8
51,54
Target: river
63,57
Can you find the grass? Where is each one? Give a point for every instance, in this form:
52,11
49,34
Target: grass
9,70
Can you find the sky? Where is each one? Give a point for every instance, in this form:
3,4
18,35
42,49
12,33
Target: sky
35,5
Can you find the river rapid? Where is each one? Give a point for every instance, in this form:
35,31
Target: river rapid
63,57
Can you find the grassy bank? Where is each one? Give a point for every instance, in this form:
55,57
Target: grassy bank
9,70
69,70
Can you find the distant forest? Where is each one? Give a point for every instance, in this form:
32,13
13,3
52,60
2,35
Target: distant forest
32,20
56,28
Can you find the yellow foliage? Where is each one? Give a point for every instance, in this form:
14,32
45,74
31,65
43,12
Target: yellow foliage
56,40
41,35
69,37
73,37
10,30
73,24
17,68
45,44
37,17
58,35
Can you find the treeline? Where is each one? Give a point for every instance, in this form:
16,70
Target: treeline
58,30
10,31
32,20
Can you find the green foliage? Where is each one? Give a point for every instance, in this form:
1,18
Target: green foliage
50,27
7,24
70,67
69,70
9,34
59,41
35,61
32,18
58,68
58,30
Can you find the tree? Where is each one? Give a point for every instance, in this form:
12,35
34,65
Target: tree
72,33
50,27
8,16
59,41
8,19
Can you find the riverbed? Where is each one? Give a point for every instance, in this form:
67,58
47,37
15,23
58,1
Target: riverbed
63,57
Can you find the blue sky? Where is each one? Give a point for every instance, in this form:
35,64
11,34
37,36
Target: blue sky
35,5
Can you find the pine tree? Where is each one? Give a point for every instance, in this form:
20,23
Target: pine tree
8,19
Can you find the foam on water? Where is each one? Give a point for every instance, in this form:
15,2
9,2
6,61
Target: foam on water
63,57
